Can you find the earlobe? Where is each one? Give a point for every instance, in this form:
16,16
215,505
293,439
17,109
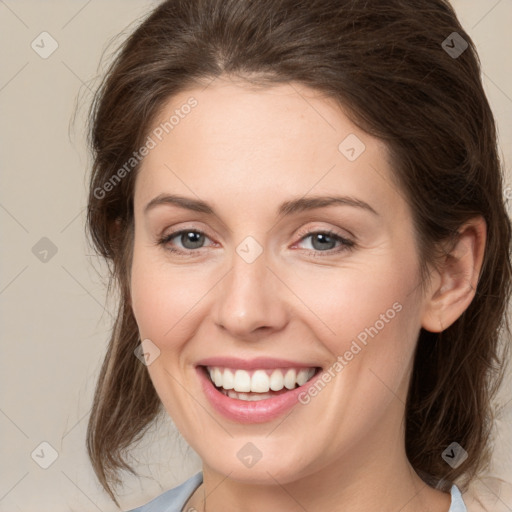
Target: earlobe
457,277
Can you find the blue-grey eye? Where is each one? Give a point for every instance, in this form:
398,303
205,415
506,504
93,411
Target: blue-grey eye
322,241
191,239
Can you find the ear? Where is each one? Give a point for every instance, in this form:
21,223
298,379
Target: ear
454,286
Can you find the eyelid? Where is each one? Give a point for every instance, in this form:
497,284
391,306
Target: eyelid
181,227
336,232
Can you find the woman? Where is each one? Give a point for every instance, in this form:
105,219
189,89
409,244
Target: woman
302,206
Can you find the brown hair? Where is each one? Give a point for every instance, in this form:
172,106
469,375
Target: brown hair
384,62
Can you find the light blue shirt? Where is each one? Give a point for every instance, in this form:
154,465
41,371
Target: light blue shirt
175,499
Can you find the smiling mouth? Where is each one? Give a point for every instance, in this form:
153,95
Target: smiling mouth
259,384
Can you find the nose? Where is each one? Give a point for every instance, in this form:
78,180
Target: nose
249,302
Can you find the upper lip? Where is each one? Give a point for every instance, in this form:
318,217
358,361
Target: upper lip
252,364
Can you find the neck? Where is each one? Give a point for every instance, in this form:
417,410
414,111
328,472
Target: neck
374,476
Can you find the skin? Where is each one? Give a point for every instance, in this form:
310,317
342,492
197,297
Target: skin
245,151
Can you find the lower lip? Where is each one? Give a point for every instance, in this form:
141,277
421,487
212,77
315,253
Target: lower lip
243,411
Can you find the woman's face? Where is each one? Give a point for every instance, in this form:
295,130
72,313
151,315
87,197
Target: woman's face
297,253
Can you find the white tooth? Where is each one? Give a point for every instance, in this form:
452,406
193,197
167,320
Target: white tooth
303,376
276,380
248,397
260,381
257,397
289,379
228,379
242,381
217,377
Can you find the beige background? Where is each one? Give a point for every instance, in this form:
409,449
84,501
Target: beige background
54,323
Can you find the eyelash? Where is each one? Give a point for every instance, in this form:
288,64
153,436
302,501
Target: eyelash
346,244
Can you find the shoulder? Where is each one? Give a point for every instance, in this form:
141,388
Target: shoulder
457,501
174,499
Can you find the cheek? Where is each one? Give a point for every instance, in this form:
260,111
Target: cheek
363,303
163,296
368,320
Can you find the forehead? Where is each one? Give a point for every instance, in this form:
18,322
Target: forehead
231,137
236,114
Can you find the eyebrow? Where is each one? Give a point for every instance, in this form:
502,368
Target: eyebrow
285,209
